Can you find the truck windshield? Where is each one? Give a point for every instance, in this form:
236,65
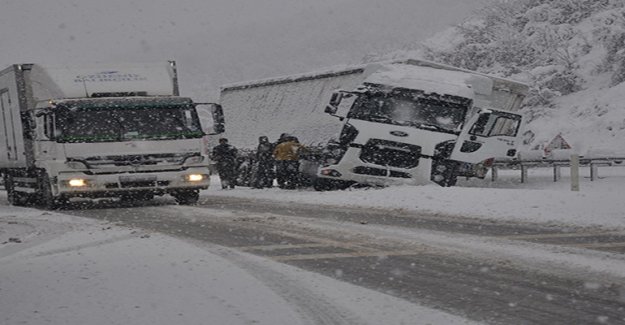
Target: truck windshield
111,124
411,108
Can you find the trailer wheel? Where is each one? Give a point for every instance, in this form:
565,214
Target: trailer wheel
187,196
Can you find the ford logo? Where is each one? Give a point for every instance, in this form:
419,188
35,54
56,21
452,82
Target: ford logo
399,133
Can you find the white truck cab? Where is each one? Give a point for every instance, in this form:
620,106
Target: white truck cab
415,124
101,131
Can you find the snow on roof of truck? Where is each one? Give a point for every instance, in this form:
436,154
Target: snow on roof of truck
428,79
497,82
331,72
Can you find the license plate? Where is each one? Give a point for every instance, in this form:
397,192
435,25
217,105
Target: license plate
128,179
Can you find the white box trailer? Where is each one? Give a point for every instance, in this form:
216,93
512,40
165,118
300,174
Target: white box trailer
408,121
100,130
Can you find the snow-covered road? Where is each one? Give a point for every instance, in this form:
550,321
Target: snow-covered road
59,269
472,251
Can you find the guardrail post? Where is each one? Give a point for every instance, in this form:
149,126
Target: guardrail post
575,173
523,173
594,169
494,174
557,173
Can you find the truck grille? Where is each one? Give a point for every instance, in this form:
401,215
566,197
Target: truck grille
390,153
138,184
136,160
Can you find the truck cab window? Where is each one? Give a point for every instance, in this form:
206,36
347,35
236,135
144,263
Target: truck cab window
411,108
110,122
480,127
505,126
490,125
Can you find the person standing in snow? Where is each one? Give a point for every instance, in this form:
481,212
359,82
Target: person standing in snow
287,162
226,155
278,163
265,163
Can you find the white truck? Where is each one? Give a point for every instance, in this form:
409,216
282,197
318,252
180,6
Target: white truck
406,121
102,130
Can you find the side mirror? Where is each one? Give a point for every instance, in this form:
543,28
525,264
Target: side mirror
211,117
341,103
335,101
330,109
336,98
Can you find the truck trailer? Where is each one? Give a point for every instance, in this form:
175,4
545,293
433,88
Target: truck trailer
397,122
101,130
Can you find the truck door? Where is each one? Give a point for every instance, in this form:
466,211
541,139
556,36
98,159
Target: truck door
8,122
489,134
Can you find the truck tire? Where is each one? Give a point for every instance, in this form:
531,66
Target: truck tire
187,196
46,198
324,184
14,197
444,173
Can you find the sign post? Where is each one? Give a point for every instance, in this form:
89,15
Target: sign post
575,173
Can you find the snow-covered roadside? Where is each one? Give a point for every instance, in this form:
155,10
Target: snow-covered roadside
59,269
598,203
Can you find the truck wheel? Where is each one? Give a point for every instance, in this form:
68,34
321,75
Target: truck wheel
324,184
444,173
46,199
14,197
187,197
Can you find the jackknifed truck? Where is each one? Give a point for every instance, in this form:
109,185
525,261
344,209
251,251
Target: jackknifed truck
101,130
396,122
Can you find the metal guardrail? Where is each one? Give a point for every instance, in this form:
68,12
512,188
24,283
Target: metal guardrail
556,164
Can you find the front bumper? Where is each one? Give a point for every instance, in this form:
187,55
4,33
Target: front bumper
352,169
115,184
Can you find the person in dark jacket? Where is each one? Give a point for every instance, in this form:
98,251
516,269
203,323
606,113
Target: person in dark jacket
287,162
264,163
226,155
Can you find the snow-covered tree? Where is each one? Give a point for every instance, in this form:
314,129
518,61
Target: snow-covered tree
550,40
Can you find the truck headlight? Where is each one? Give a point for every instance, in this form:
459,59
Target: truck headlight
77,182
195,177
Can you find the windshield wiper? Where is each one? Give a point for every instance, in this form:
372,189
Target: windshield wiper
379,118
120,133
428,126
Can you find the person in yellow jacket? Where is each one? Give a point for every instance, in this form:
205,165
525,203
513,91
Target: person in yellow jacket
286,154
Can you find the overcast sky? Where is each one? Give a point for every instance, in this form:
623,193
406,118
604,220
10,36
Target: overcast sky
219,41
